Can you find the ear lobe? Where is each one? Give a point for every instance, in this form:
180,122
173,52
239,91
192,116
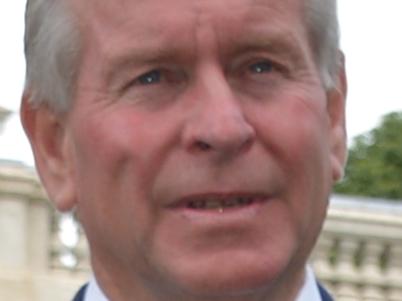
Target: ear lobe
52,151
336,101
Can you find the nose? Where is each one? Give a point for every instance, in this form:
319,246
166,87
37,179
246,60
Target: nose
217,124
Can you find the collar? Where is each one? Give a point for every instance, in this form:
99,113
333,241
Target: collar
94,292
309,291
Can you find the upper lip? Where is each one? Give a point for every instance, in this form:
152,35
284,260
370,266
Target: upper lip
226,199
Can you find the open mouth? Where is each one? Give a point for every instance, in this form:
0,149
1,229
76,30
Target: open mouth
220,203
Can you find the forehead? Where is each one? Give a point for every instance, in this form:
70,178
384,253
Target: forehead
154,16
118,35
126,7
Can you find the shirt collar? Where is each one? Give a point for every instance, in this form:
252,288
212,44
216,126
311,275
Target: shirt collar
309,291
94,292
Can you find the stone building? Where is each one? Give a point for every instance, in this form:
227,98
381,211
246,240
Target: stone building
3,116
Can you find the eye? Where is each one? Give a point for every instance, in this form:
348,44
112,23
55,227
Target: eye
155,85
149,78
261,67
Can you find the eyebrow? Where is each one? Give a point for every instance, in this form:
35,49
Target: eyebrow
275,43
120,63
141,55
155,52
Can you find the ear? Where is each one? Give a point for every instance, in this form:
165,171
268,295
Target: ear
47,133
336,98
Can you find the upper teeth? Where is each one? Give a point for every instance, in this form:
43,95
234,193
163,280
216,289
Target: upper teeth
214,203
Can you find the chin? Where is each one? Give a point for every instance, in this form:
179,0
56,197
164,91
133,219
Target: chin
230,275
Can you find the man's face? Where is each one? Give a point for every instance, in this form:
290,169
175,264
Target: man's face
203,143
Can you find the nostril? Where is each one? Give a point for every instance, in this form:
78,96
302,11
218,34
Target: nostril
203,145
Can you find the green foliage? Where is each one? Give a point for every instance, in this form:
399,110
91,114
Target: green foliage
375,162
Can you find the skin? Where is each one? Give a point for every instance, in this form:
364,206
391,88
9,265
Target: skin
204,99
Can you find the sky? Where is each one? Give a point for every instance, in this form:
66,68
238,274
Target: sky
370,38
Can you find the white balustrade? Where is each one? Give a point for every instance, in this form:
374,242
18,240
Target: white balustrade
366,253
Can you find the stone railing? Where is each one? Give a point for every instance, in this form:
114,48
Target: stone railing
359,253
69,248
27,227
44,256
3,117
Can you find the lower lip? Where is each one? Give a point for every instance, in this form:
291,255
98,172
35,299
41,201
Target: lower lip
227,213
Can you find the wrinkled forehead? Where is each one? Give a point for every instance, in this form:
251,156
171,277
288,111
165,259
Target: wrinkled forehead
111,22
156,12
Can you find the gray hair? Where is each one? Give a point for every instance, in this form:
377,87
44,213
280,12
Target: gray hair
52,48
322,23
52,53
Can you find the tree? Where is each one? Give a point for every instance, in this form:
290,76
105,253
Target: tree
375,162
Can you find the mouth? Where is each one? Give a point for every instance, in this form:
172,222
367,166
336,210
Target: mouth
219,203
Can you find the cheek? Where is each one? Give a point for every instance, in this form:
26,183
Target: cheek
295,131
118,155
114,141
115,166
104,140
112,162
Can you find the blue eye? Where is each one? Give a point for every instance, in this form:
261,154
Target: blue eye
149,78
261,67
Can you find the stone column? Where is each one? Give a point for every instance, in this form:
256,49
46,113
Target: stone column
24,231
3,117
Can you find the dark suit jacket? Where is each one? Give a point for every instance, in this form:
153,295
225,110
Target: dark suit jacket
325,296
81,293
